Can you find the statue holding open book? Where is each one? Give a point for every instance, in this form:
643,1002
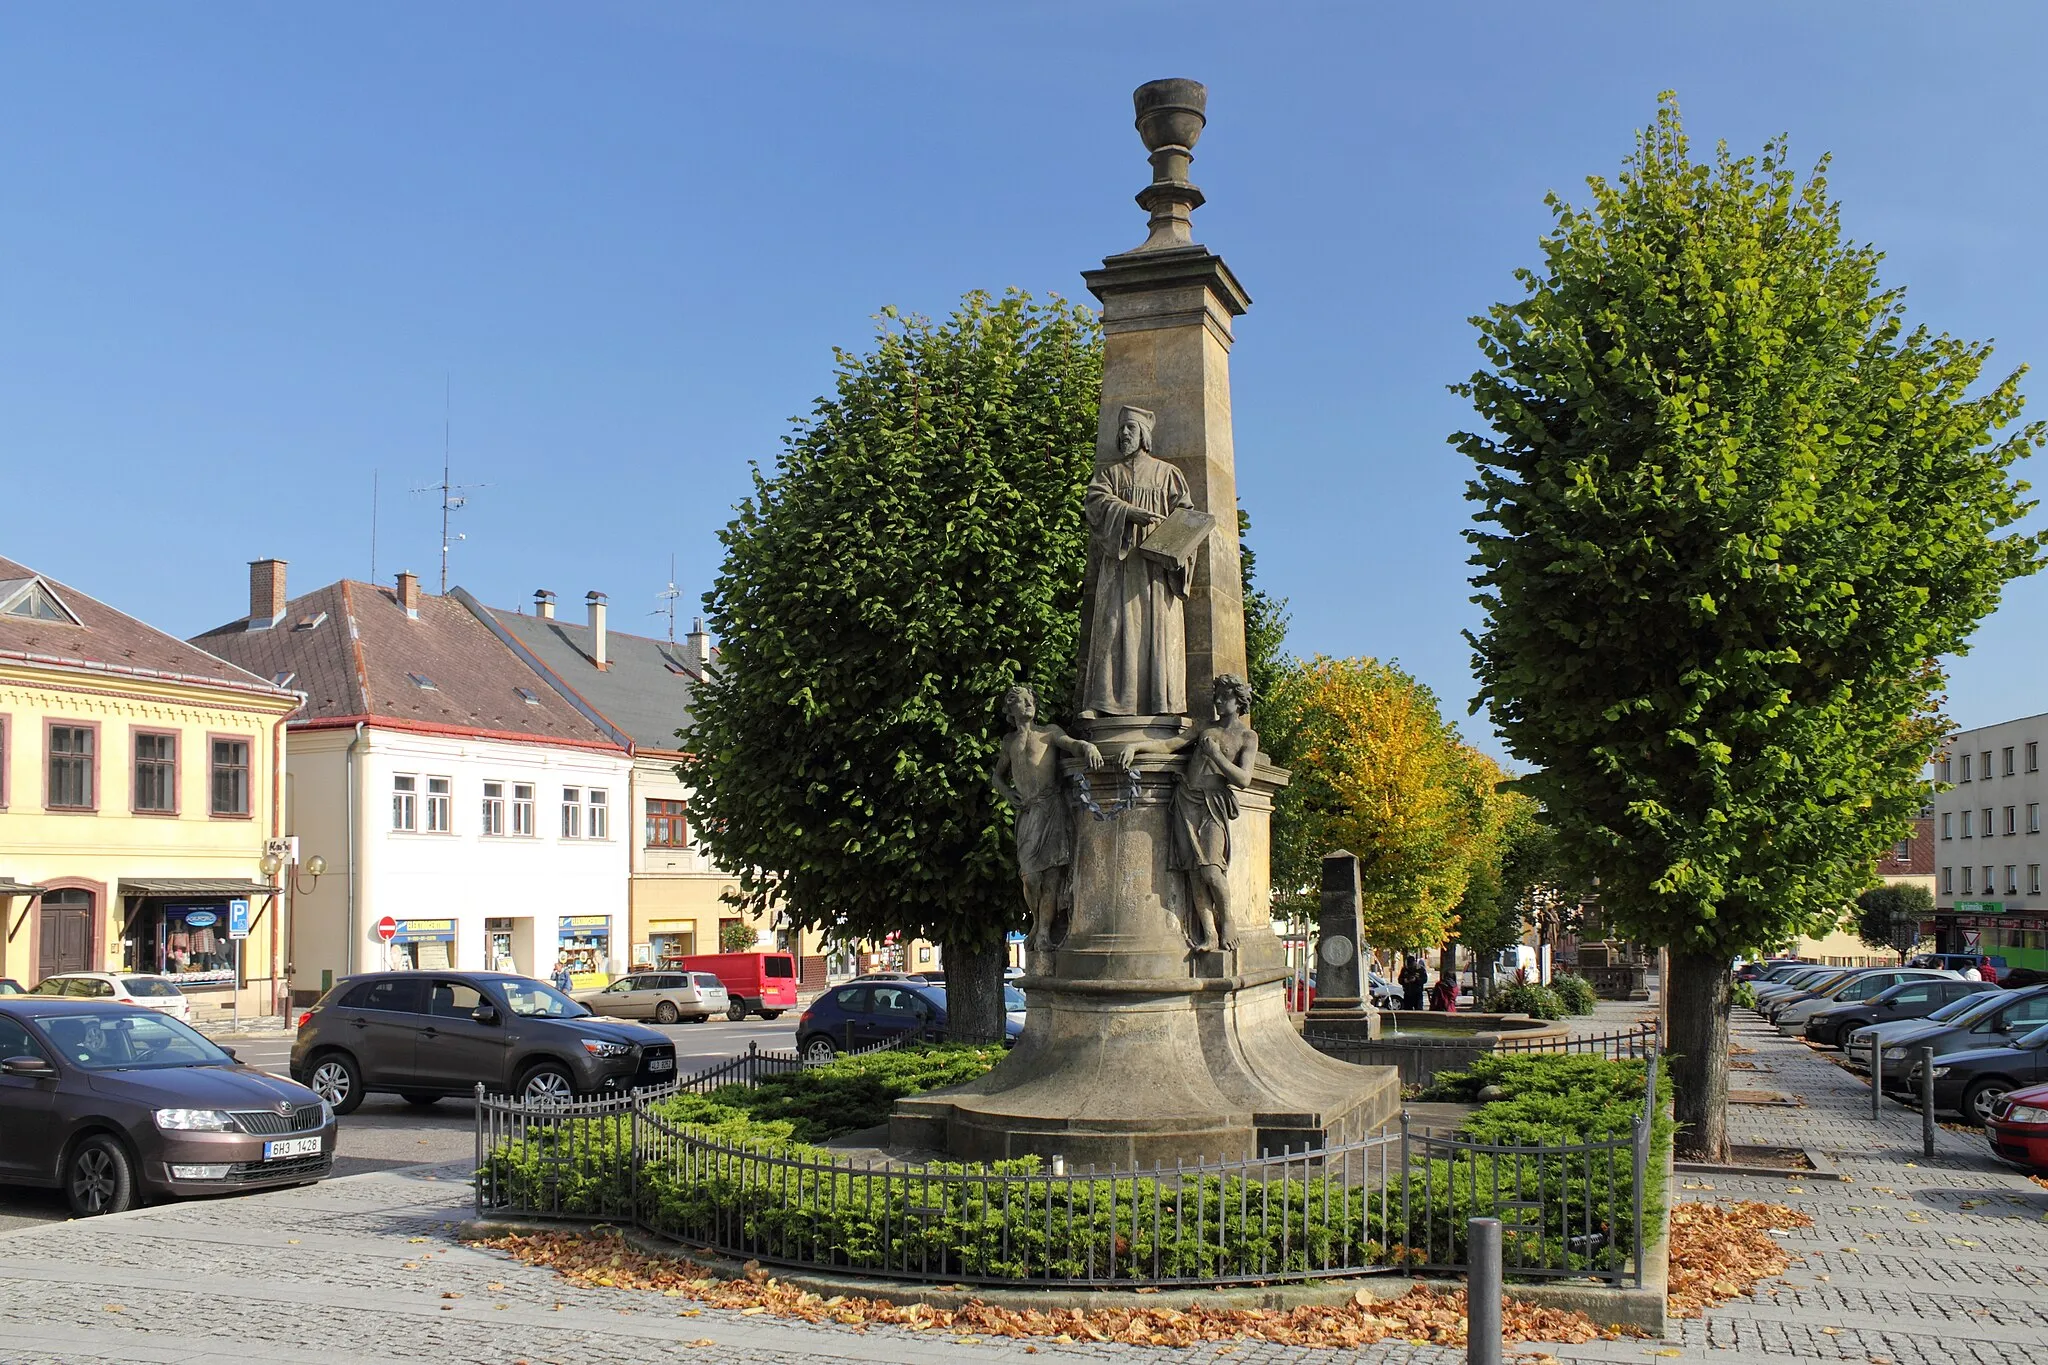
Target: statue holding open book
1144,534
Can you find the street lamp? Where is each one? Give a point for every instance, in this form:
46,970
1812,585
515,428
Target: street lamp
276,858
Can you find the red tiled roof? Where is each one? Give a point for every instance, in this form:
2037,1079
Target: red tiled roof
358,664
111,642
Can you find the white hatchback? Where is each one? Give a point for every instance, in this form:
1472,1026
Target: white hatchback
127,988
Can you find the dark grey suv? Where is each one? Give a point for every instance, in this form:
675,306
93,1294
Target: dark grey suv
423,1035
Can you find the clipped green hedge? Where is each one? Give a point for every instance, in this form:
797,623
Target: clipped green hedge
1577,993
824,1102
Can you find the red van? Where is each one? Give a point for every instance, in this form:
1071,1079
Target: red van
759,983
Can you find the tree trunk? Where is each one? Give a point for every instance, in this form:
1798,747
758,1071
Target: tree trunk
1447,964
1697,990
974,990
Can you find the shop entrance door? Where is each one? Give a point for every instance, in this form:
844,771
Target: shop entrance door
66,935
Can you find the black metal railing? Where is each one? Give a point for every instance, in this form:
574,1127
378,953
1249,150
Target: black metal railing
1420,1058
1398,1200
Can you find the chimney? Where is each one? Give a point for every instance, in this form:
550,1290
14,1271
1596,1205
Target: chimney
699,642
266,593
595,599
543,604
409,592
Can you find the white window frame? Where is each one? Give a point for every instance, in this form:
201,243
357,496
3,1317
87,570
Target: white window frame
2005,761
1990,881
572,812
492,809
2033,879
597,822
1986,756
1987,822
1948,881
2012,880
1948,824
2012,819
1968,816
523,806
1904,851
405,803
440,805
2033,817
1966,769
1944,771
2033,756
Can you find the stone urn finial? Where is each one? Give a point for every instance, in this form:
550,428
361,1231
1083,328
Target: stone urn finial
1170,120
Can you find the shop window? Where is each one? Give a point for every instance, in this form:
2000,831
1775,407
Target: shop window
667,824
73,767
156,773
2005,758
600,812
440,811
522,809
572,812
405,802
189,943
230,780
493,811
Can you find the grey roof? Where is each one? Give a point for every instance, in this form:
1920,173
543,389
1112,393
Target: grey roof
644,691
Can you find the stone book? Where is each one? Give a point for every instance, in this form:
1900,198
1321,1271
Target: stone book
1176,539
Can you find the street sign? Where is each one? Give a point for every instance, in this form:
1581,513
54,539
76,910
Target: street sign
238,919
387,929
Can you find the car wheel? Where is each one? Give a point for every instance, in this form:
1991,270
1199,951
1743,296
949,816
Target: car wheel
547,1083
666,1012
99,1178
819,1051
771,1014
1979,1098
423,1101
699,1018
736,1011
337,1079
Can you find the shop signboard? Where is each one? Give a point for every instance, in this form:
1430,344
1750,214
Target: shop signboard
586,926
1980,907
424,931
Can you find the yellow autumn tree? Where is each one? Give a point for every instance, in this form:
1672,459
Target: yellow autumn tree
1380,772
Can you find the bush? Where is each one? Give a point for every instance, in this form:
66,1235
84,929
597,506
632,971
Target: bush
1744,996
1522,997
820,1103
1576,992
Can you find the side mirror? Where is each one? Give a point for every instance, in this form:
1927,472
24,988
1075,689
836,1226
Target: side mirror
230,1051
27,1066
485,1014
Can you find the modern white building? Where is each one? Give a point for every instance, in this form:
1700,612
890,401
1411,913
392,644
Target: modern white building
450,793
1989,849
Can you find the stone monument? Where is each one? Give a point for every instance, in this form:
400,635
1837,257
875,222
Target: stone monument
1157,1028
1343,1005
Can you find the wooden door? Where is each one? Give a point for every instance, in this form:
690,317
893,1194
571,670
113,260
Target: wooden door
66,938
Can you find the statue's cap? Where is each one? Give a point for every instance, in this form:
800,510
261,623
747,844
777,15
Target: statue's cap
1144,417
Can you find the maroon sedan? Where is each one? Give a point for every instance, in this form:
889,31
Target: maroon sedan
2018,1128
114,1104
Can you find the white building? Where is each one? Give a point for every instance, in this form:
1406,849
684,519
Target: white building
1989,850
481,813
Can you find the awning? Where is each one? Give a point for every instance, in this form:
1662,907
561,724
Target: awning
193,886
11,887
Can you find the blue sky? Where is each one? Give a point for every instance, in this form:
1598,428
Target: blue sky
243,247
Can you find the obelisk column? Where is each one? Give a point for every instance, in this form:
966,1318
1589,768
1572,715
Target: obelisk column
1166,311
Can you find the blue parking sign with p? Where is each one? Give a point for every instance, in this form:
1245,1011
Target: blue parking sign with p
238,919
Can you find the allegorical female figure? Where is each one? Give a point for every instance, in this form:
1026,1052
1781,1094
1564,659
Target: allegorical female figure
1027,775
1137,638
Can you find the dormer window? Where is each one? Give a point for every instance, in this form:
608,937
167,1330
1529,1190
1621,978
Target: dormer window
422,682
528,695
32,600
313,622
283,678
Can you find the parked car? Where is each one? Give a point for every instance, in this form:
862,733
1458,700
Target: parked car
1914,999
1764,968
1792,1014
2016,1013
9,986
113,1105
863,1013
1989,966
1970,1082
755,983
423,1035
1797,989
1794,982
1856,1044
129,988
663,997
2018,1128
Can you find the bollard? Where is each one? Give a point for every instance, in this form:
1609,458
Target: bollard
1876,1075
1482,1292
1927,1101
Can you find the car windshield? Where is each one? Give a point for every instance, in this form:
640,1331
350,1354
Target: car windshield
128,1041
149,986
1013,1000
538,1000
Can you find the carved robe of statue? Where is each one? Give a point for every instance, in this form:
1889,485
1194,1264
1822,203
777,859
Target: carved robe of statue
1137,641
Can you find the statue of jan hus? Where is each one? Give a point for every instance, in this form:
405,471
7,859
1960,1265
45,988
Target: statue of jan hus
1137,637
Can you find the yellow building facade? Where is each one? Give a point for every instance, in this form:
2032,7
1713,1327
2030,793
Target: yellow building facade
138,795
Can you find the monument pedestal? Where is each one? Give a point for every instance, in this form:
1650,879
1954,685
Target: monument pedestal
1139,1049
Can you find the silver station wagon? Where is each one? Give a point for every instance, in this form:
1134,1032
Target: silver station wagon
663,997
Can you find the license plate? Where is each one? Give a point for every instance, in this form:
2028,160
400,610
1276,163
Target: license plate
661,1064
284,1147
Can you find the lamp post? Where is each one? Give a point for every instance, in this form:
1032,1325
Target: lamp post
278,856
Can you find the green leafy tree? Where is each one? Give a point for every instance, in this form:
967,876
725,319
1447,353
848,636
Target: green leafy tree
918,549
1890,916
1732,512
1265,620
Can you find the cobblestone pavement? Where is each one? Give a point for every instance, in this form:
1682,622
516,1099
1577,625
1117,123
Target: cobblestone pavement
1912,1261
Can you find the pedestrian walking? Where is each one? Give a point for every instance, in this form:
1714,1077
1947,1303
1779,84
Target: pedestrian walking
1413,979
561,976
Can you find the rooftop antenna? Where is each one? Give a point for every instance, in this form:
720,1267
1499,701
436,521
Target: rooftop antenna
669,596
452,494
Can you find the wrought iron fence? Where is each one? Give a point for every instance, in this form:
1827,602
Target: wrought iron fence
1419,1059
1397,1201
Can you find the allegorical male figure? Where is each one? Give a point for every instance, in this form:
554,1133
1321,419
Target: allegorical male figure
1030,761
1137,640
